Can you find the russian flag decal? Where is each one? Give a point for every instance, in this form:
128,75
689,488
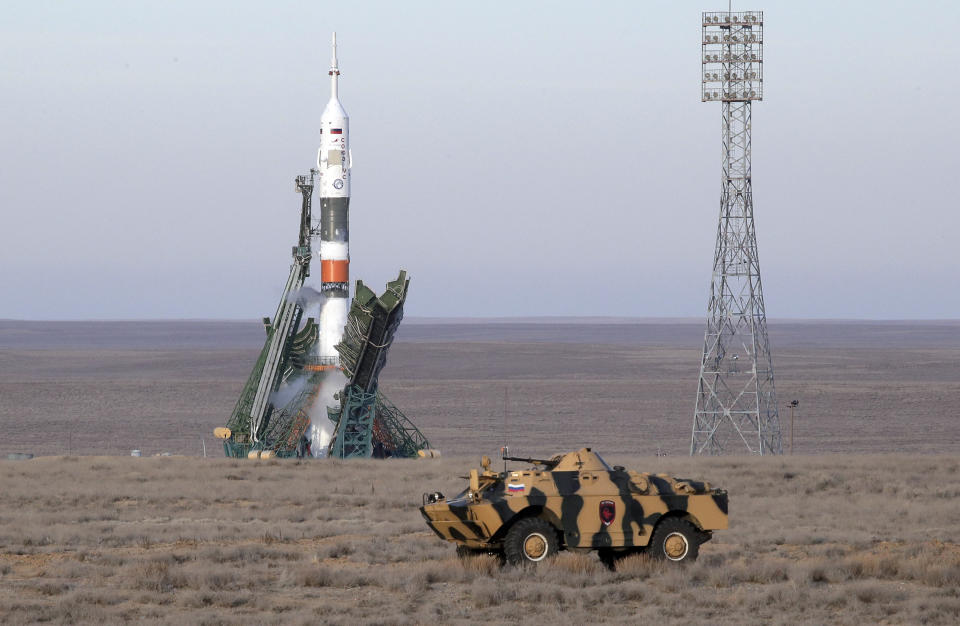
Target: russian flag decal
336,131
516,488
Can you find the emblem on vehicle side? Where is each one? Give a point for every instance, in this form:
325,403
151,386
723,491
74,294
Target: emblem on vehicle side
608,511
338,184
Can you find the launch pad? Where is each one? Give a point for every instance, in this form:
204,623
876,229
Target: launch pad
318,371
367,424
281,398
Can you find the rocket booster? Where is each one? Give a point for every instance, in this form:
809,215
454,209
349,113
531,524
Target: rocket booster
333,163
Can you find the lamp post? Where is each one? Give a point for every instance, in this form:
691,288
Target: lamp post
737,404
793,405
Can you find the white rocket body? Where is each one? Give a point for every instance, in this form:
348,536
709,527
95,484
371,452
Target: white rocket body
331,250
333,163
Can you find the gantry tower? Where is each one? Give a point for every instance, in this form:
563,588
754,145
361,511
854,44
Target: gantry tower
736,398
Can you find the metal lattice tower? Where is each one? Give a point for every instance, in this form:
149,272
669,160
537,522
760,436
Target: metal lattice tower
736,398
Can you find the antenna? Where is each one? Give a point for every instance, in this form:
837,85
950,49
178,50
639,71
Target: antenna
505,452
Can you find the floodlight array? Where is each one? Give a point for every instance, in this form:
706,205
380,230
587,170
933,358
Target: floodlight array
732,56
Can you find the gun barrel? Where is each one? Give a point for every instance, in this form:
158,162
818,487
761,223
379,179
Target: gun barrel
527,460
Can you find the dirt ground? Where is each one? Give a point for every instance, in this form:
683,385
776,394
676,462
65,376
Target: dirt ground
624,388
822,539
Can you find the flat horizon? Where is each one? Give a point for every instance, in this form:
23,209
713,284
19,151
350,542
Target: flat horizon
531,319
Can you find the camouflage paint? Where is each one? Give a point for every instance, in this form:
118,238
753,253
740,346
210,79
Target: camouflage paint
569,497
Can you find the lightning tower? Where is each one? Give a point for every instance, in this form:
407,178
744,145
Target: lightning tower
736,398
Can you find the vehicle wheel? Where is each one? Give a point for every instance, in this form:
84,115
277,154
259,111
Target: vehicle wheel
530,540
675,540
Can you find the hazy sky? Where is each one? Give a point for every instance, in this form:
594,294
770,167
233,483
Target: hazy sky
517,158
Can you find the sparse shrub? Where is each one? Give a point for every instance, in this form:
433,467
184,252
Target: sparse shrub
421,575
110,560
410,528
835,599
196,599
824,482
712,560
216,580
869,593
269,538
322,576
231,601
763,572
156,575
576,563
832,552
481,565
783,596
818,573
70,569
673,579
639,566
98,598
943,576
487,593
336,550
374,552
635,592
940,610
543,594
52,589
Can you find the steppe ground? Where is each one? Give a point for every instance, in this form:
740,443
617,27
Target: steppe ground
846,540
624,388
848,531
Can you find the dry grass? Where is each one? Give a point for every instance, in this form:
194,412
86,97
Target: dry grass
813,540
97,539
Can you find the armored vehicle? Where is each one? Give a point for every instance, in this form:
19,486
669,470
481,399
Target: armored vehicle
576,501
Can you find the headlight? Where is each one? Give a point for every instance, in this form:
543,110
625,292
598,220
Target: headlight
432,498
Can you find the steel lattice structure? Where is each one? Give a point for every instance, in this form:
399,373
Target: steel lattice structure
736,397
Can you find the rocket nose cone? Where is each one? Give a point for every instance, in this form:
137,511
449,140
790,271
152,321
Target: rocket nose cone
333,112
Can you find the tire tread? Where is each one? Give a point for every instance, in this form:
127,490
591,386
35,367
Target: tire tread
671,525
513,542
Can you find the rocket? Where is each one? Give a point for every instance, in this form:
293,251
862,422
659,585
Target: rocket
333,163
330,245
